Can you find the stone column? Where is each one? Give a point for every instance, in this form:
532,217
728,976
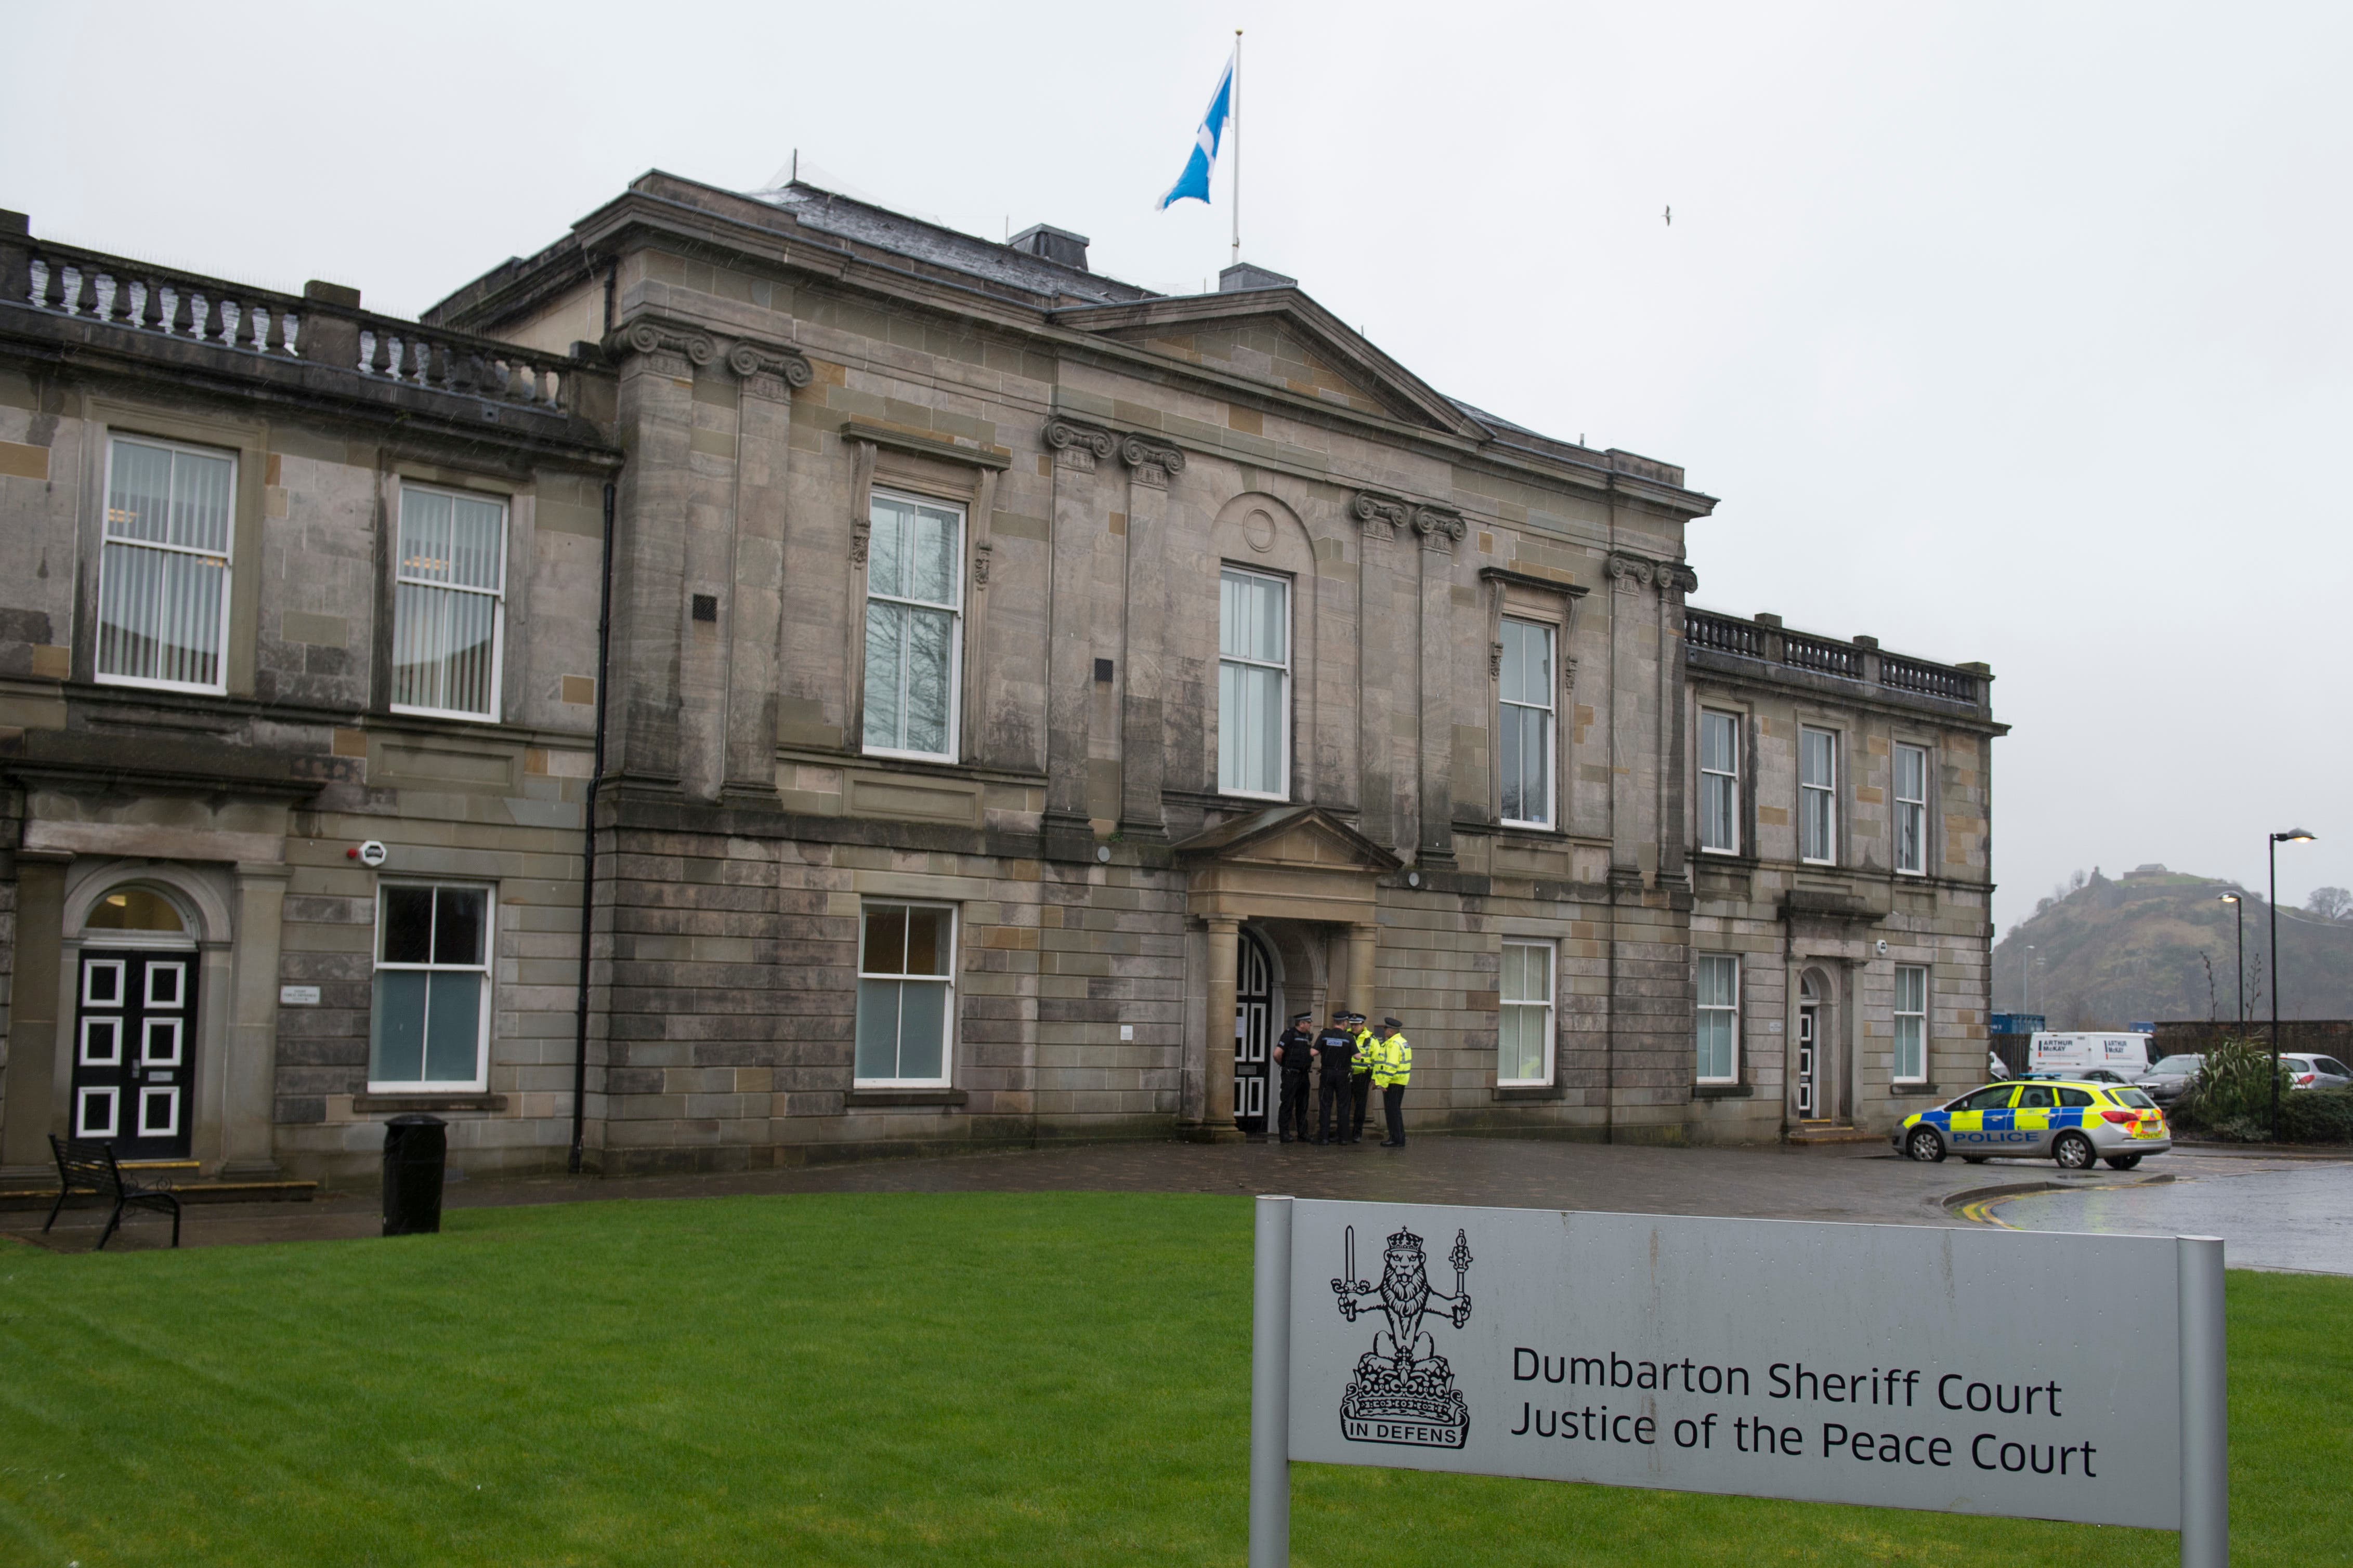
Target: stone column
1439,528
1363,948
1379,517
657,429
35,1094
1143,750
250,1086
753,603
1078,523
1675,579
1218,1060
1632,706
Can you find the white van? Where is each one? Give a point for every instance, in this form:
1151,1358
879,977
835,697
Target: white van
2125,1055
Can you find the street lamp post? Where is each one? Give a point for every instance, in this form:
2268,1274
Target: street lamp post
2292,835
2240,904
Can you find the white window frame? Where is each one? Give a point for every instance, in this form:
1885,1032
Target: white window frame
1826,792
953,605
947,1006
1549,1008
498,600
1701,1014
486,969
1550,708
1732,722
1915,804
1919,1016
227,556
1282,671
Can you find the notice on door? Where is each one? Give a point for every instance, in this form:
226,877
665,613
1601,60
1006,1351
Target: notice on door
1969,1371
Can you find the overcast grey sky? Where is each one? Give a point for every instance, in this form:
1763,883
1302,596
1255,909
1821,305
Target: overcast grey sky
2006,332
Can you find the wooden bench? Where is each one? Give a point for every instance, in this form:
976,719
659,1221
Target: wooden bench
91,1168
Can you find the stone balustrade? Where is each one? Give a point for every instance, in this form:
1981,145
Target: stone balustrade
1860,660
322,325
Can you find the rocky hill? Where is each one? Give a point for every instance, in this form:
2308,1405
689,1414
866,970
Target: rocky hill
2112,952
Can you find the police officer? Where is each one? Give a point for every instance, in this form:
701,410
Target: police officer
1334,1050
1394,1065
1361,1074
1294,1053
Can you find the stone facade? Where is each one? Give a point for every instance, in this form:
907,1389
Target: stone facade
767,383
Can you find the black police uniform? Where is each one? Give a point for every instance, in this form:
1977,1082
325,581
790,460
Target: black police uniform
1334,1100
1298,1048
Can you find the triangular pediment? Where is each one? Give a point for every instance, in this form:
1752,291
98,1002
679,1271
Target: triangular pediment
1303,837
1278,337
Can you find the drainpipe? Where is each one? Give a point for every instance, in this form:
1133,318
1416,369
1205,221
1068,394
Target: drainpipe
588,844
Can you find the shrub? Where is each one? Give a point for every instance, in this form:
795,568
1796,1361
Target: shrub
2236,1084
2316,1116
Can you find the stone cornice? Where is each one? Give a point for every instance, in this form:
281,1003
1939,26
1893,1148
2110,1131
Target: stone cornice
662,218
924,446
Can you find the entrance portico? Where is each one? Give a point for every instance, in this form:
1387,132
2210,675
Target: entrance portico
1304,881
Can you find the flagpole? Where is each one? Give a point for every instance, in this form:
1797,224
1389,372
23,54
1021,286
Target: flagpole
1234,114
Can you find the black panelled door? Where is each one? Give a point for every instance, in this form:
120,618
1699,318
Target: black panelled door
136,1052
1253,1031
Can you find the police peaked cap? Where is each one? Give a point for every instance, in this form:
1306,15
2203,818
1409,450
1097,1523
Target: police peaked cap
1391,1024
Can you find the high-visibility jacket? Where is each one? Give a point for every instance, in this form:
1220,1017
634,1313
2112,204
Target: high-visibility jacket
1368,1051
1392,1061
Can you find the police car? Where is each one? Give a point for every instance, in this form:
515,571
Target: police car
2072,1121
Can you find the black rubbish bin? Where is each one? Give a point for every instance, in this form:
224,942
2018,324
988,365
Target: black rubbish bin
415,1149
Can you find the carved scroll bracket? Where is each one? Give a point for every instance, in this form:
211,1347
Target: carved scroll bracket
1439,526
1079,445
1380,516
671,348
1154,462
770,370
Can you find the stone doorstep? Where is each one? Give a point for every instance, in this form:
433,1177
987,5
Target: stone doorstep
13,1198
1807,1135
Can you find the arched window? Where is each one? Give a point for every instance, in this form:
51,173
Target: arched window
140,915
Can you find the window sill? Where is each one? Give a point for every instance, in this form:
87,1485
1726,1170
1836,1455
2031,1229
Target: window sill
1522,1093
887,1098
1724,1090
1912,1088
138,683
937,759
457,715
459,1099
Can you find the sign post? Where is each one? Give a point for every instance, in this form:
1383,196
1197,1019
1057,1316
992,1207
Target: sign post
1887,1365
1270,1500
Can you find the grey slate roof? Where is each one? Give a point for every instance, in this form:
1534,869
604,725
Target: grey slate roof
867,225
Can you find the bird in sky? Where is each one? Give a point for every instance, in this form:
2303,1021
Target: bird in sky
1671,217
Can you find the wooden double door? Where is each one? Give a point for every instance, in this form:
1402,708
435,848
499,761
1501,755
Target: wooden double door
135,1054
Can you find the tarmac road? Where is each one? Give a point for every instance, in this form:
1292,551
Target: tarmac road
2271,1212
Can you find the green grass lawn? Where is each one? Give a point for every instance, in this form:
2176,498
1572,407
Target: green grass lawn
862,1379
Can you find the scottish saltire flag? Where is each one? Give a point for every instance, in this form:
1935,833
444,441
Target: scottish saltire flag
1195,181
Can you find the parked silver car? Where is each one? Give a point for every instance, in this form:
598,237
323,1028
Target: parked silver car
2307,1072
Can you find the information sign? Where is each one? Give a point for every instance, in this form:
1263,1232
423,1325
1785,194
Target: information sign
1962,1370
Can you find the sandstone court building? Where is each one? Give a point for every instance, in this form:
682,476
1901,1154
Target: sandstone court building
1018,691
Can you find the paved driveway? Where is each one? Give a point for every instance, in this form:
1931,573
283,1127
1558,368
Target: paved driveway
1852,1182
2271,1213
